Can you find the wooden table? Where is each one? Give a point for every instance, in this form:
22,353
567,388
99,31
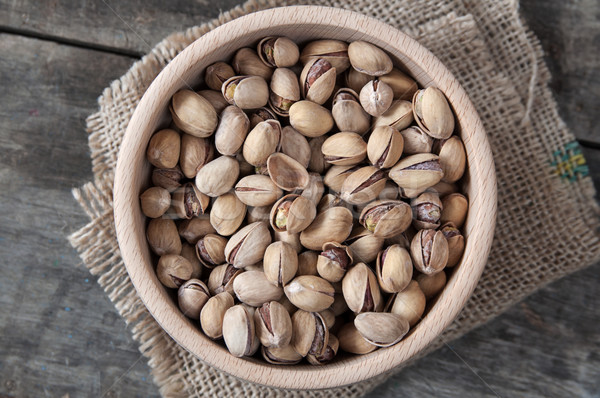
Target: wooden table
60,335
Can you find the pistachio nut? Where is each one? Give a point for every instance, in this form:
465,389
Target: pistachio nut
361,290
317,163
310,119
336,175
238,331
286,172
247,62
279,52
426,211
403,86
173,270
257,190
284,91
253,288
292,213
281,356
210,250
348,113
227,214
385,147
212,314
369,59
218,176
291,239
231,131
273,325
261,213
456,243
193,113
352,341
195,153
376,97
216,74
155,201
310,293
333,261
330,352
452,157
399,116
364,245
163,149
380,328
280,263
315,188
317,80
344,149
334,51
307,263
295,145
310,334
356,80
189,253
260,115
429,250
431,285
248,245
169,179
221,279
193,229
454,209
394,269
332,225
432,113
163,237
215,98
189,202
417,172
246,92
409,304
363,185
192,296
416,140
261,142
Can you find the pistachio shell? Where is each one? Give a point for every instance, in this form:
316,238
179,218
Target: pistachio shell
455,207
210,250
332,225
364,244
376,97
361,290
317,80
238,331
334,261
257,190
169,179
281,356
352,341
385,147
246,62
416,140
216,74
221,279
258,214
191,297
155,201
189,253
386,218
173,270
253,288
295,145
212,314
427,210
317,163
193,114
452,158
286,172
293,217
278,51
310,334
334,51
310,293
218,176
417,172
163,149
344,149
456,243
429,250
261,142
381,329
291,239
409,303
284,91
189,202
369,59
232,131
227,214
310,119
246,92
215,98
273,325
394,269
356,80
399,116
432,113
307,263
163,237
315,188
193,229
280,263
195,153
363,185
403,86
348,113
431,285
248,245
336,175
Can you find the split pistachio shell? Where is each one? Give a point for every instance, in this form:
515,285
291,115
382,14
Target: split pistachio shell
215,98
455,208
330,352
189,202
246,92
227,214
212,314
432,113
218,176
381,329
334,51
417,172
163,237
284,91
260,115
310,293
155,201
363,185
376,97
333,225
278,52
292,213
280,263
352,341
399,116
173,270
169,179
232,131
195,153
431,285
317,163
248,245
261,142
307,263
369,59
426,210
163,149
364,245
247,62
221,279
273,325
356,80
452,158
310,119
429,250
193,114
385,147
348,113
456,243
416,141
281,356
403,86
317,80
286,172
333,261
386,218
257,190
216,74
344,149
210,250
361,290
310,334
295,145
238,331
253,288
409,304
336,175
192,296
193,229
394,269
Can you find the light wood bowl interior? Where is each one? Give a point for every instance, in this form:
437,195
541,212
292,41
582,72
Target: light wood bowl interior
301,24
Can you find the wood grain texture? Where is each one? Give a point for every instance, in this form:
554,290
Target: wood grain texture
302,23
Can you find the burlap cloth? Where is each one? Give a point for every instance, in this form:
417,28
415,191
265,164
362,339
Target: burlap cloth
547,217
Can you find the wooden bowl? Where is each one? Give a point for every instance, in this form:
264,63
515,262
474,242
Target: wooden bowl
301,23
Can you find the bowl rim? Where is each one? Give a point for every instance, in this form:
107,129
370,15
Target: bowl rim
355,368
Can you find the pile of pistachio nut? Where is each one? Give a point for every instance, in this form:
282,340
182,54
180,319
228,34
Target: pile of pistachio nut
305,200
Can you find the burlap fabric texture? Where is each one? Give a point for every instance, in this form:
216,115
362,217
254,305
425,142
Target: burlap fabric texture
547,224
